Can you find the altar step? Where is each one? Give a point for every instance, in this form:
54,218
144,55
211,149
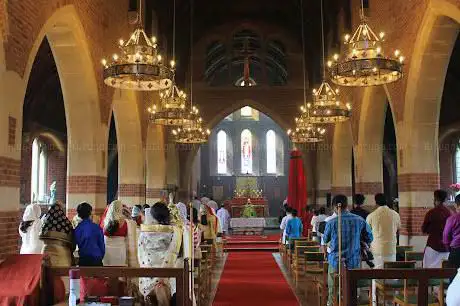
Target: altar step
246,246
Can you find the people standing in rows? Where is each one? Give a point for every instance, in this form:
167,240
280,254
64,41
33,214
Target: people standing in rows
29,230
89,238
451,236
120,237
354,230
294,227
433,225
284,223
384,223
358,209
224,218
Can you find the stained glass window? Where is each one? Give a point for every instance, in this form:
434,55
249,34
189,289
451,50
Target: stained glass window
221,152
271,151
246,151
457,164
246,111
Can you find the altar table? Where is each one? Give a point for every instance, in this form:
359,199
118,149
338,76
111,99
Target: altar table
247,226
237,206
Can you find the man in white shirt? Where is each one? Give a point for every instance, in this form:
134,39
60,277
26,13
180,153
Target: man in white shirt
320,216
224,218
284,223
385,224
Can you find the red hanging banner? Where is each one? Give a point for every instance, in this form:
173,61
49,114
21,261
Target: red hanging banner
297,195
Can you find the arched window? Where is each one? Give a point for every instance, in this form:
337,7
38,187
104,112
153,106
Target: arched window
246,152
221,152
39,171
246,111
271,151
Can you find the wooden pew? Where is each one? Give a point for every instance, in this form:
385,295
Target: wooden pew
180,274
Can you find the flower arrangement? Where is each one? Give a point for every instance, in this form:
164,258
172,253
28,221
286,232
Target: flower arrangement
455,187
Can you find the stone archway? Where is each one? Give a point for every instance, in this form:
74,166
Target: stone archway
67,38
418,156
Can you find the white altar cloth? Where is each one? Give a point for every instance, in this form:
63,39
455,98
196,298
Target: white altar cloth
247,222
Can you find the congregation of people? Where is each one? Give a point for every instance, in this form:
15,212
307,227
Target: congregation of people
156,236
370,236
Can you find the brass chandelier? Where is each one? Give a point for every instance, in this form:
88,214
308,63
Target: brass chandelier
172,107
364,62
139,65
327,107
306,130
193,131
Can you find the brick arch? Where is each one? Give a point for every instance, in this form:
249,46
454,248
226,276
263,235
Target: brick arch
425,84
68,42
131,180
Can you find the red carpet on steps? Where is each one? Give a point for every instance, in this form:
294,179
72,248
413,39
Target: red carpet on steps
253,278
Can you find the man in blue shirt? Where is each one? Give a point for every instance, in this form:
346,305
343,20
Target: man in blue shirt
294,227
354,230
89,238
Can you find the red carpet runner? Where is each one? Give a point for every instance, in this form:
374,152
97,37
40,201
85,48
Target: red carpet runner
253,278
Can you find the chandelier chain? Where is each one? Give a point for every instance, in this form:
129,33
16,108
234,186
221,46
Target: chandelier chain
322,40
174,31
303,55
191,52
362,10
139,20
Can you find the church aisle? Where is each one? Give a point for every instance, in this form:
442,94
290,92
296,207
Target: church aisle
253,278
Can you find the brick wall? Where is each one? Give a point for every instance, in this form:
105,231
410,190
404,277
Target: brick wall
412,220
9,172
9,223
345,190
369,187
131,190
418,182
87,184
57,171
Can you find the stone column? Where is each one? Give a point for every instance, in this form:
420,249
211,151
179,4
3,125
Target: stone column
155,164
341,160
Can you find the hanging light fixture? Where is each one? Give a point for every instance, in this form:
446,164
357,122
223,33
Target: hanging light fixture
306,130
139,65
327,107
364,62
193,131
171,108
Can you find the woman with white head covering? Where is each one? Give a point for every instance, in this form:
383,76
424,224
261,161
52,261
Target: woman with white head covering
119,236
212,204
182,211
29,230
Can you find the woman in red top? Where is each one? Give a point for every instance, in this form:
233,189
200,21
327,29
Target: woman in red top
120,237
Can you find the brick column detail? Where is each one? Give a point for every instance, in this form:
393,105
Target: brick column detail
345,190
409,182
86,184
412,220
10,172
9,224
131,190
369,187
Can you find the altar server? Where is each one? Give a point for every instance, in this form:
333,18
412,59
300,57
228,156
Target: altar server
224,218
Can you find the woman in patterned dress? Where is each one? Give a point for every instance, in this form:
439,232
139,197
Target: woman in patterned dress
159,245
57,236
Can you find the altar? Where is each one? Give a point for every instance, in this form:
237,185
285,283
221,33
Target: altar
247,226
237,206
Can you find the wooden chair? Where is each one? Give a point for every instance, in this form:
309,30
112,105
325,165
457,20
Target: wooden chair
387,288
316,275
298,261
414,256
401,251
410,298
